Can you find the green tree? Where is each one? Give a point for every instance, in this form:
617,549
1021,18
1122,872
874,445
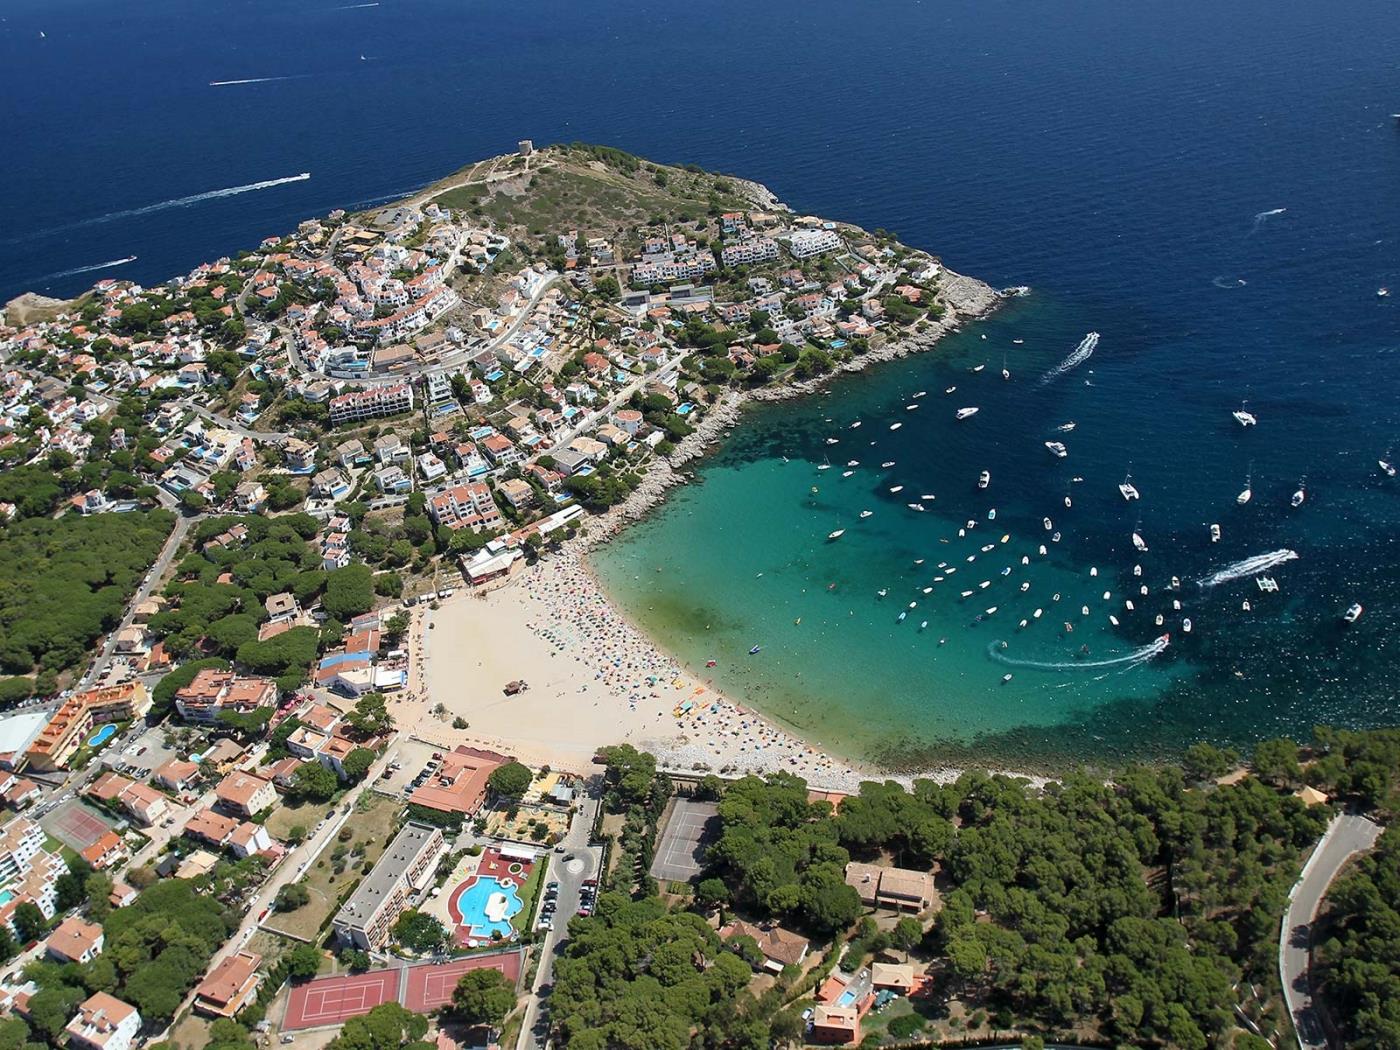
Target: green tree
349,592
302,962
292,896
510,780
356,764
314,782
483,996
420,932
29,922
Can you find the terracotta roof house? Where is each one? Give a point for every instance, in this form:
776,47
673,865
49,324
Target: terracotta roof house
103,1022
246,794
229,986
780,947
898,888
75,941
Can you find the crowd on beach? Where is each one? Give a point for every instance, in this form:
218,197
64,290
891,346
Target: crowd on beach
568,610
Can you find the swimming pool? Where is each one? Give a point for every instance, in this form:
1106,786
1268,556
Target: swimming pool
103,735
472,901
5,897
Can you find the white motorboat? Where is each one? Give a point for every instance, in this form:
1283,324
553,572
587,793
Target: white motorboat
918,507
1065,428
1038,613
1026,585
832,441
1382,292
992,514
928,496
1048,524
984,585
966,413
984,479
910,408
1005,374
1139,542
1176,583
1093,570
1298,497
1137,570
1214,533
847,473
1389,468
836,535
1353,612
1068,502
1186,625
1083,610
1158,619
887,464
990,610
866,513
896,489
1113,619
896,426
855,425
1127,489
920,393
1006,678
1057,448
1245,496
950,390
852,462
978,368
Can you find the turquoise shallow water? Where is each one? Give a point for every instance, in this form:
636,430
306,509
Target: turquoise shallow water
736,560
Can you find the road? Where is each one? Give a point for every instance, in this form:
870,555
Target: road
570,881
237,428
1345,837
153,578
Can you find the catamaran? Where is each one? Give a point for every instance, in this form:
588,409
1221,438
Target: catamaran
1129,493
1057,448
965,413
1243,418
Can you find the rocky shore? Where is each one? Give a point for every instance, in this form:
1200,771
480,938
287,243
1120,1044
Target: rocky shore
965,299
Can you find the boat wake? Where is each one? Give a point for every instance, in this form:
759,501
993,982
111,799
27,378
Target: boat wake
1263,217
1248,567
258,80
84,269
178,202
1077,357
1139,655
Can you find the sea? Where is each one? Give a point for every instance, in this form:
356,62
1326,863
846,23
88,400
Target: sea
1213,189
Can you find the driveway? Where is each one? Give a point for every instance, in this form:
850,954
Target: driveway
1345,837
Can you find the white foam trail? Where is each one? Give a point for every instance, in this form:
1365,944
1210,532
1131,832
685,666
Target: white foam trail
352,7
1263,217
1137,656
85,269
1077,357
179,202
258,80
1248,567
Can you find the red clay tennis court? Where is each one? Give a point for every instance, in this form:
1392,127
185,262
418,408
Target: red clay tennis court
430,986
334,1000
76,825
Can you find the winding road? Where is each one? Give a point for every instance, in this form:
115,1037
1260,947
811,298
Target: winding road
1345,837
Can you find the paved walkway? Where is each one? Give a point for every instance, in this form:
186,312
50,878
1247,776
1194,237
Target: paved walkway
1345,837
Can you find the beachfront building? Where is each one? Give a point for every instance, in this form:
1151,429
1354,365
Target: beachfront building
903,889
459,784
103,1022
213,691
69,725
397,878
372,403
229,987
469,506
806,243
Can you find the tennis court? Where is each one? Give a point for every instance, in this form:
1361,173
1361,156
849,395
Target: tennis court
690,827
75,824
334,1000
430,985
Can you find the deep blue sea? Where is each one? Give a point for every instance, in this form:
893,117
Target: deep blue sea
1213,187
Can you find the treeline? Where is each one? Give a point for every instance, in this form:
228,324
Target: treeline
66,581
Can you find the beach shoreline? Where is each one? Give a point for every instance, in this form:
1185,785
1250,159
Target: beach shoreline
596,678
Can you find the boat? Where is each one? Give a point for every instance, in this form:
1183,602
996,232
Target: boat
928,496
984,585
1128,604
1038,613
1048,524
754,651
710,663
910,408
920,393
1055,537
968,594
1186,625
866,513
847,473
1041,550
917,506
978,368
1022,625
1158,619
887,464
1139,542
1127,489
1137,570
1382,292
1176,583
896,426
1246,606
883,591
991,609
1005,536
1083,610
950,390
823,466
1093,570
1025,586
855,425
923,624
984,479
1243,418
1388,468
852,462
1298,497
1245,496
992,514
1005,374
1113,619
1214,533
901,616
836,535
1353,612
896,488
1068,502
1057,448
966,413
1065,428
1006,678
1267,584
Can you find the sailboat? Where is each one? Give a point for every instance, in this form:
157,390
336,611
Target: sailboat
1005,374
836,534
1138,541
1245,496
1298,497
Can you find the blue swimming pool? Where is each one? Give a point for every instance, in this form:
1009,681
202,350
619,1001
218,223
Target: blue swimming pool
103,735
469,906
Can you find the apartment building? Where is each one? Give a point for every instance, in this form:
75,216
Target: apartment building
104,1022
371,403
67,728
365,920
466,506
213,692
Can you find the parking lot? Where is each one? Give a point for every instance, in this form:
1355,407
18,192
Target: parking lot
412,756
147,752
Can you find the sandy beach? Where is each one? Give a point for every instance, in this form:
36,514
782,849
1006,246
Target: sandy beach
594,680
